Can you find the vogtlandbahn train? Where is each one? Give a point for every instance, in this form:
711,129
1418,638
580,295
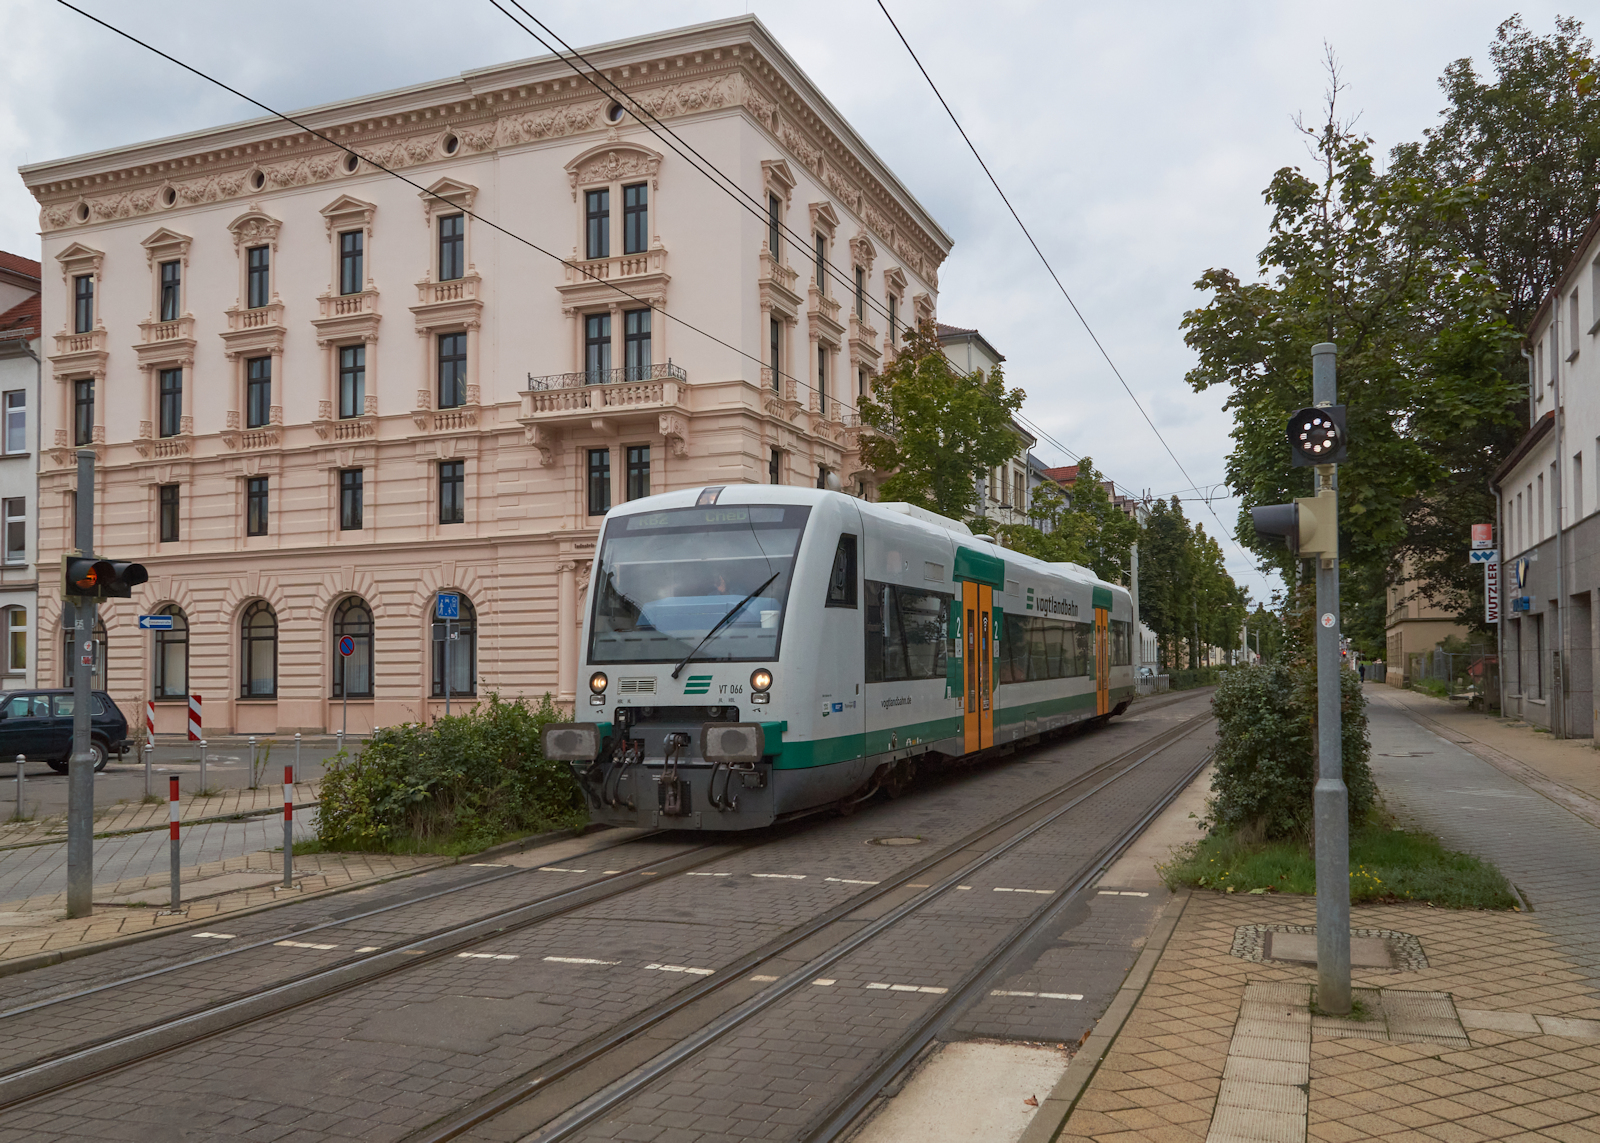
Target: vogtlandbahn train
754,652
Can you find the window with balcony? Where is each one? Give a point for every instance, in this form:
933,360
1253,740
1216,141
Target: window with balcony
16,520
17,422
83,412
636,218
636,344
83,303
777,354
352,381
452,491
171,291
167,499
171,402
599,481
350,490
822,264
597,223
775,467
597,348
638,471
452,247
452,370
258,276
822,375
894,320
775,227
352,277
861,294
255,506
258,392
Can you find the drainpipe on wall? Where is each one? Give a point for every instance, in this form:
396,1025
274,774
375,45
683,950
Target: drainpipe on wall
1559,723
1500,619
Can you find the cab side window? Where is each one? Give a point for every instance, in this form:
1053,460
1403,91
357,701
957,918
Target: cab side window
18,706
65,704
842,580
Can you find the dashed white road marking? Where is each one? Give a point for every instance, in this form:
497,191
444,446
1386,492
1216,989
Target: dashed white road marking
681,968
368,948
763,979
489,865
579,960
1044,892
218,936
915,886
303,945
963,886
1040,995
849,881
611,871
782,876
824,981
909,988
559,869
713,875
487,956
1121,893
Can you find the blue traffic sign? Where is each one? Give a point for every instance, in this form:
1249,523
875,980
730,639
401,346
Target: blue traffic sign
155,622
347,646
449,605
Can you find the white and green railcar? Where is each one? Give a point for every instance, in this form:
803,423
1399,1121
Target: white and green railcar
754,652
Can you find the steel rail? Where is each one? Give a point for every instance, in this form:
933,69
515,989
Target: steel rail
587,1111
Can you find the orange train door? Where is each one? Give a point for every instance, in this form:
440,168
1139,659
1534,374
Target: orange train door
1102,661
977,646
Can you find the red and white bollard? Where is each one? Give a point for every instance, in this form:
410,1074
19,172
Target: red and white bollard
288,827
150,720
194,718
172,818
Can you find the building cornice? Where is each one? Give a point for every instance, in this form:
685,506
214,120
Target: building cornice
1536,433
729,65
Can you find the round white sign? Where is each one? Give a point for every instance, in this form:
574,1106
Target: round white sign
1327,619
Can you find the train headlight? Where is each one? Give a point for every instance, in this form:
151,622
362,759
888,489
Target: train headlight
598,682
760,679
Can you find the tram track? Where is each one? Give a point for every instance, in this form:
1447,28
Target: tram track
1028,820
86,1062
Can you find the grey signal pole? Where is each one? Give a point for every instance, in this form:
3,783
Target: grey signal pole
1331,800
80,769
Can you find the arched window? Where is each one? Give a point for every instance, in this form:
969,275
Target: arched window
460,638
16,639
172,655
258,651
352,675
70,654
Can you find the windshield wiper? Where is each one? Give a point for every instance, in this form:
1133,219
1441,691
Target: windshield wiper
723,622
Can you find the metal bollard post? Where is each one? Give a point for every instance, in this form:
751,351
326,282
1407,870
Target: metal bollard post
339,738
203,785
149,755
172,817
21,778
297,756
288,827
252,761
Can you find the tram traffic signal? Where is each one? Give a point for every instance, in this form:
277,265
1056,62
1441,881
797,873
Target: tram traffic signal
1317,436
86,578
1308,526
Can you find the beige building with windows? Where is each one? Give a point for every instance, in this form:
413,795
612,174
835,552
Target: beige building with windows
321,394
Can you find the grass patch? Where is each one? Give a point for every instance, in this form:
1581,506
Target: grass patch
1438,688
1358,1011
1386,864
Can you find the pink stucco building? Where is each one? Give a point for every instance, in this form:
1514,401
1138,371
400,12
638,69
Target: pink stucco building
320,394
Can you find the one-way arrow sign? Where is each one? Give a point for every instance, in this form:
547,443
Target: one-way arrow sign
164,622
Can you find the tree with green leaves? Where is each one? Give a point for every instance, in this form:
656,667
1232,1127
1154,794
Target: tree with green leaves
938,429
1186,595
1087,529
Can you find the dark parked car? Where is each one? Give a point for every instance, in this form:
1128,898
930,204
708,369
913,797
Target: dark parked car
38,725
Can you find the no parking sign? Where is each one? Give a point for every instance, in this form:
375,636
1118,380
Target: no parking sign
347,646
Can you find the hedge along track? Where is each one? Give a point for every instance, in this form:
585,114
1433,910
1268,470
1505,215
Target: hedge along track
592,1053
86,1062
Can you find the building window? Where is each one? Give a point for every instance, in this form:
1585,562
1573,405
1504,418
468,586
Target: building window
17,421
452,370
16,521
83,303
635,218
597,348
452,491
597,224
171,283
861,294
172,655
258,651
861,382
258,392
1019,497
171,402
894,321
460,637
452,247
352,381
16,639
775,467
255,506
167,498
599,481
777,354
352,674
822,377
638,471
636,344
822,476
351,253
350,499
258,270
822,265
83,412
774,228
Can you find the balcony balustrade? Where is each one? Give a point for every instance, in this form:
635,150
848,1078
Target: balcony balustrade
574,394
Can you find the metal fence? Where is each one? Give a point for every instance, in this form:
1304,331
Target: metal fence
1473,674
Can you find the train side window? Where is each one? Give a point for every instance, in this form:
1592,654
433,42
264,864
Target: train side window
842,582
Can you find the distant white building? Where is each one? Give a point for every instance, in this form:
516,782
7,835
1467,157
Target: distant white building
19,466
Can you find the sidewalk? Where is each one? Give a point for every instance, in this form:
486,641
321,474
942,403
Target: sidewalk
1482,1025
123,817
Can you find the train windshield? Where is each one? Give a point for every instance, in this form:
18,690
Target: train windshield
667,578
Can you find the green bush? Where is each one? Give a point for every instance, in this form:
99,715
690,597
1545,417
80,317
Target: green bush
461,783
1188,679
1266,750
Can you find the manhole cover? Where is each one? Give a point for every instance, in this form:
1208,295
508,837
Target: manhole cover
895,841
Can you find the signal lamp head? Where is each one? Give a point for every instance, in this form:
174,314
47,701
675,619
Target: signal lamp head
598,682
760,679
1317,436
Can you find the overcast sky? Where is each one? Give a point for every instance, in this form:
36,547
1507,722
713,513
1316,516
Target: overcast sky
1134,140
